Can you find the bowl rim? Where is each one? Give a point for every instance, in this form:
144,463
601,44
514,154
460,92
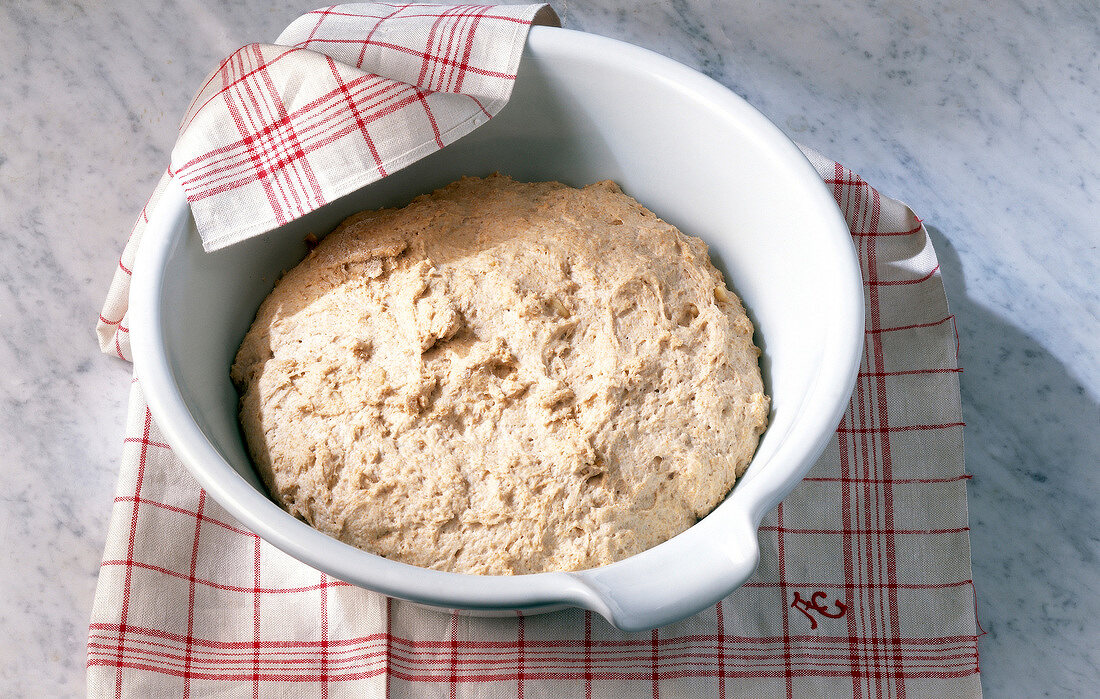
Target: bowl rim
608,590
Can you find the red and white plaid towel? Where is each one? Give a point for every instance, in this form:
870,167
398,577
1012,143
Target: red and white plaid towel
863,587
346,95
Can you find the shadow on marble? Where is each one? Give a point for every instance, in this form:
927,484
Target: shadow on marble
1031,439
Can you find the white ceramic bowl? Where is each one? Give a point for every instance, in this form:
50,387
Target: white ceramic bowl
585,108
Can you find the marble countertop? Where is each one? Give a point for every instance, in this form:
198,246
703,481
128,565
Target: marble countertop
981,116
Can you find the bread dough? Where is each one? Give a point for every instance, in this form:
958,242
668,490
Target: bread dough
502,378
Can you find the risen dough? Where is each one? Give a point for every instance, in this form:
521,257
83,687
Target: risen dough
502,378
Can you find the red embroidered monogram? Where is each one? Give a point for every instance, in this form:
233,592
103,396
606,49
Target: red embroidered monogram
863,587
816,604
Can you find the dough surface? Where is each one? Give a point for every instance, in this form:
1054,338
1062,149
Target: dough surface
502,378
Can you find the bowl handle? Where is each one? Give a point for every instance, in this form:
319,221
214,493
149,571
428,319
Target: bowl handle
664,585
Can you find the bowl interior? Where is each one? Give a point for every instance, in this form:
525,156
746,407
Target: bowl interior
707,163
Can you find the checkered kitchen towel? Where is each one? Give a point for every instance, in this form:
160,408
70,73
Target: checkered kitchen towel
346,95
863,587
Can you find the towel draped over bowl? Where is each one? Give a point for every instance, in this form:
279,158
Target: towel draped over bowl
864,583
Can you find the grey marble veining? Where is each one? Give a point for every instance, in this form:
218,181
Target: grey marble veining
981,116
